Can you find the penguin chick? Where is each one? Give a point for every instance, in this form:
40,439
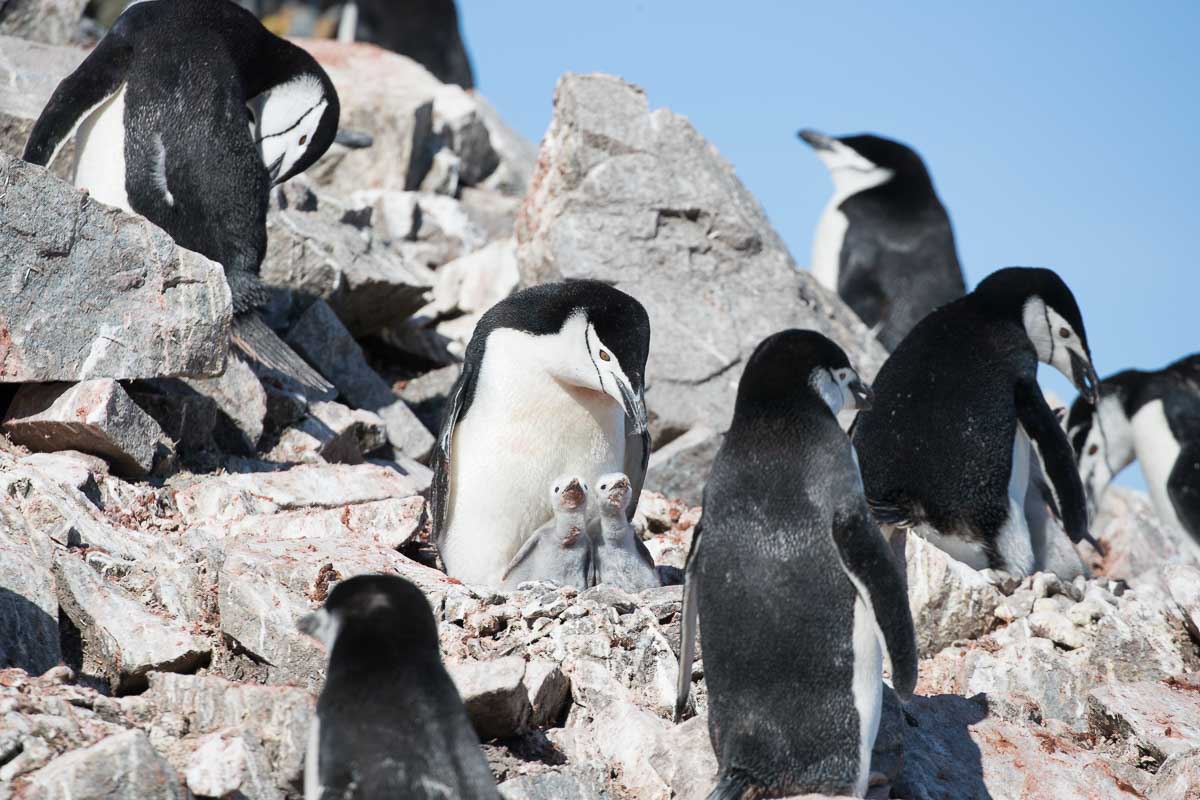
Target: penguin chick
621,559
389,720
560,550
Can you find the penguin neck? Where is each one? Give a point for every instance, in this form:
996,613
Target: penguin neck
571,529
614,528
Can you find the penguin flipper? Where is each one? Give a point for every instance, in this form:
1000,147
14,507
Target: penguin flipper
439,489
259,342
1183,487
637,460
868,562
689,613
527,547
94,81
1058,459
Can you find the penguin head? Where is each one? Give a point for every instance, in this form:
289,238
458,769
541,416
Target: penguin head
793,360
295,122
588,335
386,601
569,493
1101,436
1050,316
614,491
863,161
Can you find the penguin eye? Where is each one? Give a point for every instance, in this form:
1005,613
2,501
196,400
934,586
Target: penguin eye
1092,450
557,490
1064,333
603,487
604,356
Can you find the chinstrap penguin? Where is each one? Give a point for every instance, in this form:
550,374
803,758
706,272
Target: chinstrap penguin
551,384
947,445
793,585
1151,416
389,721
621,558
884,241
188,112
560,550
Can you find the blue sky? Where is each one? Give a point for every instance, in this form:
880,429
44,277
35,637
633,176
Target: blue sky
1060,135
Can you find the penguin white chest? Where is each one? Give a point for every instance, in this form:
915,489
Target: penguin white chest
100,153
827,244
1157,450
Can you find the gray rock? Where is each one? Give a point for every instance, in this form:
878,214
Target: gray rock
949,600
457,120
29,74
1136,540
321,338
1057,628
548,689
1183,584
495,695
186,416
1016,606
1159,718
638,199
518,155
122,641
28,605
240,397
231,763
680,467
94,292
475,282
331,433
122,767
550,786
1177,778
426,394
96,416
48,21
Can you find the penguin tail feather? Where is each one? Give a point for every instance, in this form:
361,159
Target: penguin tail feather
735,784
260,343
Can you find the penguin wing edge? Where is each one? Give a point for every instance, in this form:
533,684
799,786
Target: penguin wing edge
1183,487
637,461
94,81
868,562
439,488
689,613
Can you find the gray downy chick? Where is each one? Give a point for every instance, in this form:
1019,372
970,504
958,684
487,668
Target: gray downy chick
560,550
622,560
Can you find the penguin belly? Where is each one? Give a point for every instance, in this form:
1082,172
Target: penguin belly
515,440
100,153
827,244
1157,451
868,688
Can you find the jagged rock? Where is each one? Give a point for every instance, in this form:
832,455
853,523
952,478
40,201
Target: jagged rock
240,397
95,416
1160,718
424,227
186,416
638,199
29,74
94,292
122,767
475,282
548,689
1136,540
680,467
495,695
457,120
518,155
549,786
1183,584
48,21
122,641
1177,778
331,433
426,394
231,762
949,600
28,605
321,338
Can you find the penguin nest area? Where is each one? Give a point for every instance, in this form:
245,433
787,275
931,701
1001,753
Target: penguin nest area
171,507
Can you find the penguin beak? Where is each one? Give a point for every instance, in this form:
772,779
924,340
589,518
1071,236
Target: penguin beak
863,394
573,495
815,139
273,170
1084,378
635,406
355,140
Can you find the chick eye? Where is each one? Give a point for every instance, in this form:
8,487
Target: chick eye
1064,333
604,356
556,490
603,487
304,139
1092,450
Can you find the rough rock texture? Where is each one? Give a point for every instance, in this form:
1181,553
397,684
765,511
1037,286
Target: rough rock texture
47,21
637,198
949,600
96,416
29,73
93,292
1136,540
122,767
495,695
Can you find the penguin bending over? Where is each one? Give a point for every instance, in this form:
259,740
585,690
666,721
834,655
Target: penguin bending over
1154,417
187,112
551,384
948,441
389,721
793,585
884,242
561,550
621,559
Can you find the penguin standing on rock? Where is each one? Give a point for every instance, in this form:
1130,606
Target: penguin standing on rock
187,112
389,721
1155,418
947,444
793,584
884,242
551,385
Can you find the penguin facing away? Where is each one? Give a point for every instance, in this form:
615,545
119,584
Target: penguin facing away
947,445
560,550
884,241
552,384
187,112
1151,416
793,585
389,721
621,559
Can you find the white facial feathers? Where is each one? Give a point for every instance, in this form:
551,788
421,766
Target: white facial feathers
1108,449
1052,336
851,171
285,120
320,625
834,387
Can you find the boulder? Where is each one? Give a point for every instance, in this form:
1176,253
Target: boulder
96,292
28,604
231,763
495,695
96,416
331,433
29,74
47,21
949,600
1161,718
123,766
1135,539
638,199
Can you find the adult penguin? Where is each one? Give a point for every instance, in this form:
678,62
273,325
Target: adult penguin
187,112
793,585
946,446
551,385
1153,417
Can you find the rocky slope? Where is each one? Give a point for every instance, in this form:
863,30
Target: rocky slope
168,510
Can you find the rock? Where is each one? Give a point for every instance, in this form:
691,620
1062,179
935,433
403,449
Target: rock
1016,606
518,155
424,227
548,689
475,282
549,786
48,21
426,394
1028,677
1136,540
122,767
1057,628
327,345
240,397
331,433
228,762
121,640
640,200
495,695
949,600
187,417
28,605
94,292
680,467
1183,584
1177,778
95,416
29,74
1160,718
462,129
